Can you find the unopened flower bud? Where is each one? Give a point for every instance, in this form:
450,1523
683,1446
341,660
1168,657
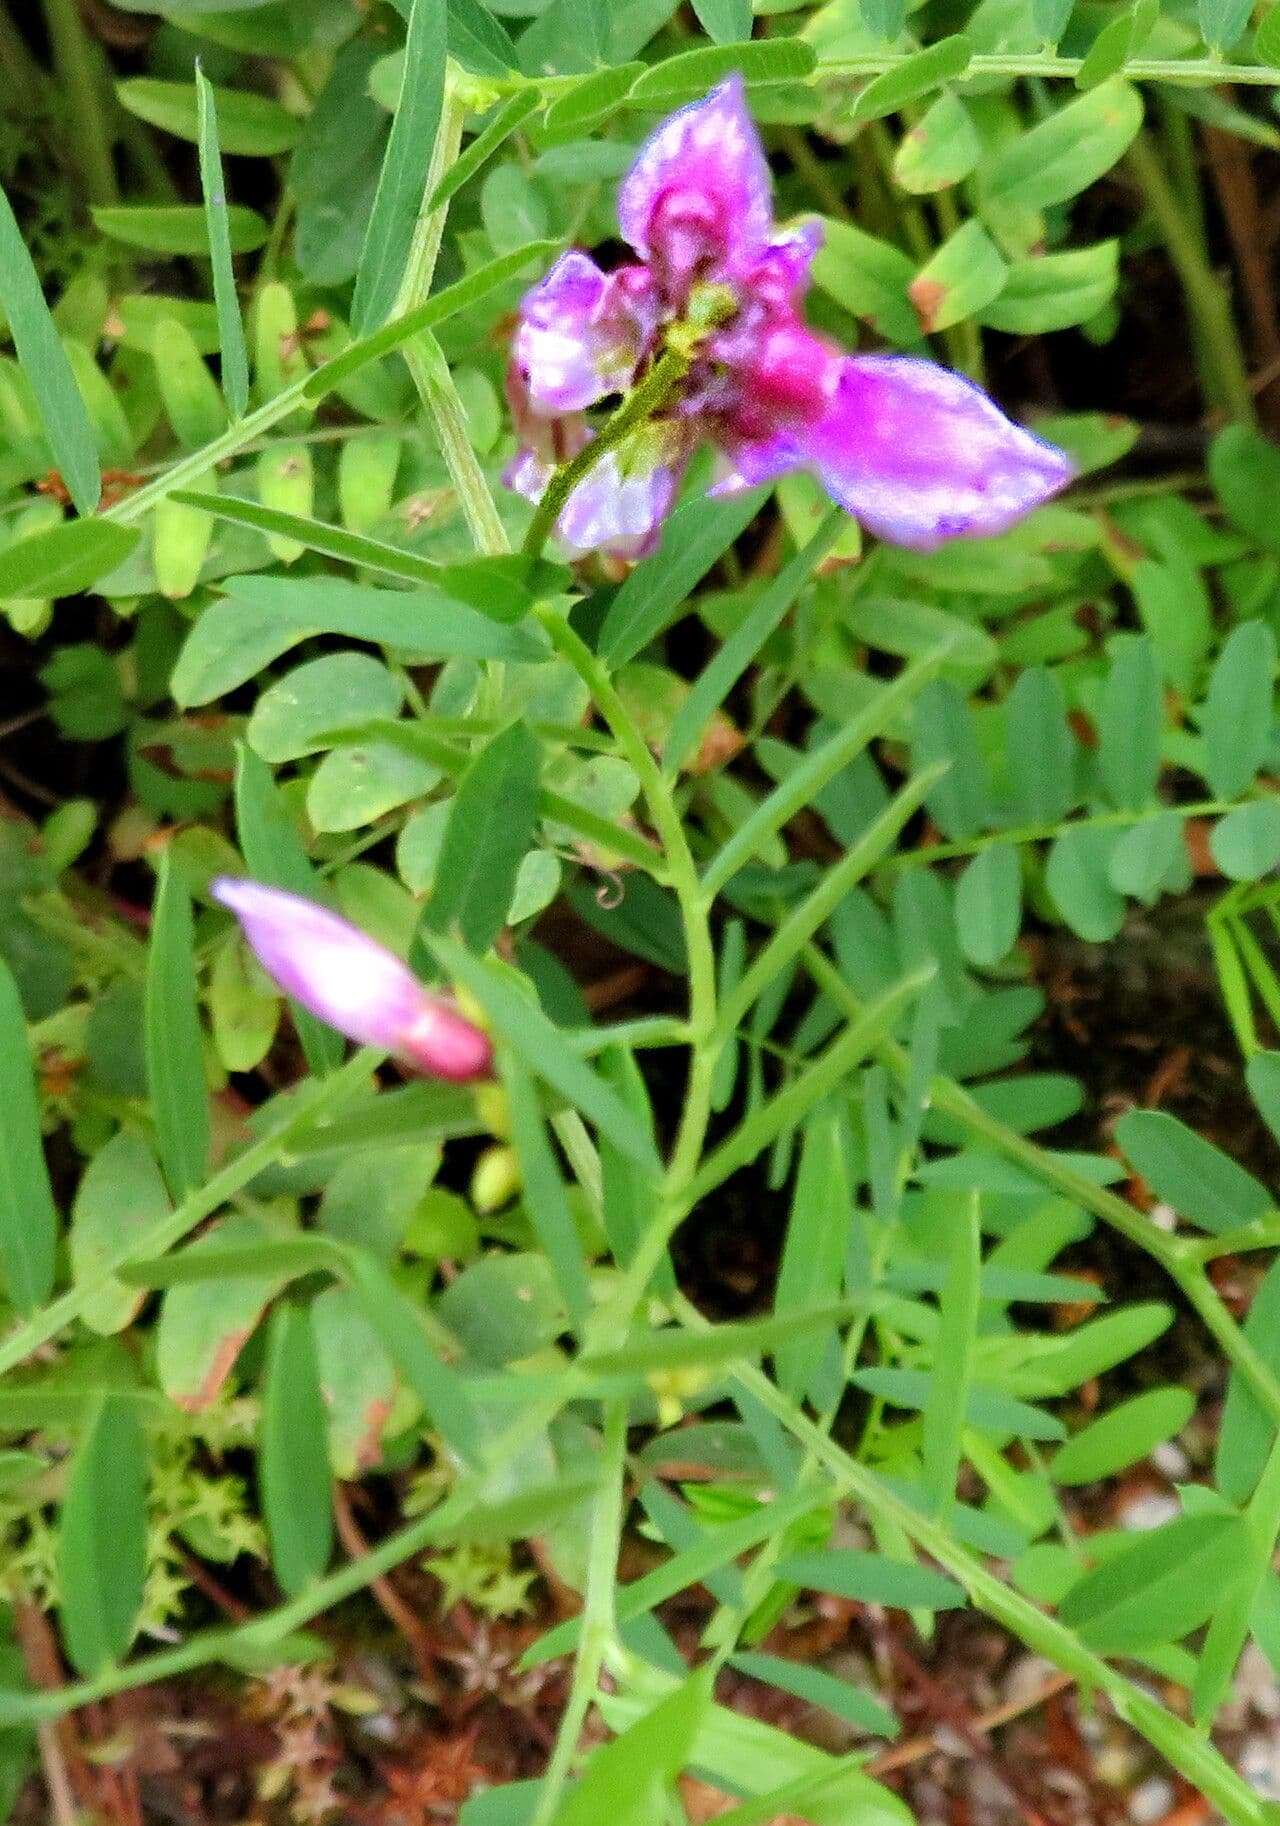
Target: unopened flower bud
496,1179
348,981
494,1110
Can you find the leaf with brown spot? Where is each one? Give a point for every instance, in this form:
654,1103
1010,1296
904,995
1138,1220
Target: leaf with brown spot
358,1380
928,296
204,1324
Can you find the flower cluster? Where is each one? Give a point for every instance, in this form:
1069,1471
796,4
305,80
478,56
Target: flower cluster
917,453
346,980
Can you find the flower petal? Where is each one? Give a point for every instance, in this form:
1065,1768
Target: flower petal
620,504
698,195
921,455
352,983
780,277
580,333
756,462
784,376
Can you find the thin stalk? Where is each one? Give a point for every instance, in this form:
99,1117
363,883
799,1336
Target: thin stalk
435,387
598,1617
816,173
821,764
1199,72
424,249
816,908
1186,1750
316,1099
683,870
964,339
678,1197
22,75
644,1031
787,1107
1226,376
639,406
611,1321
1178,1256
271,1631
1179,152
929,853
427,366
80,76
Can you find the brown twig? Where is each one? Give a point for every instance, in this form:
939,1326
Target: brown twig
915,1749
953,1711
392,1604
200,1576
56,1740
1232,168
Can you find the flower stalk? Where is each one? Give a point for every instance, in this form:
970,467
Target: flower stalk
422,354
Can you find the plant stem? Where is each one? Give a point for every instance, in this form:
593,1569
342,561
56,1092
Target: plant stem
266,1633
430,373
1188,1752
316,1099
1207,300
804,919
598,1618
612,1320
427,365
929,853
1178,1256
662,810
305,392
640,405
80,76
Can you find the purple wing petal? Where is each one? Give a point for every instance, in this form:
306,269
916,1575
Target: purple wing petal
352,983
620,504
753,463
921,455
698,195
780,277
580,333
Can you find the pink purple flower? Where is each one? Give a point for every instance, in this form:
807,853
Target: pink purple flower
334,969
916,452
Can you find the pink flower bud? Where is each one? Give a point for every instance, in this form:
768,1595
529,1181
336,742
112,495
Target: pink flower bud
346,980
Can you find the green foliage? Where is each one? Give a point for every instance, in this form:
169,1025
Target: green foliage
802,799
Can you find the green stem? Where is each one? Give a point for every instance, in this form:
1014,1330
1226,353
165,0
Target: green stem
1199,72
428,232
598,1617
1178,1256
963,339
1188,1752
80,76
22,75
1206,298
815,909
1263,1233
645,1031
666,818
435,386
798,788
316,1099
639,406
929,853
427,365
815,172
612,1320
267,1633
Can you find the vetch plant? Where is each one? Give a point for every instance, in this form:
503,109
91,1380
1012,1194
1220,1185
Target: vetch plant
708,326
740,1201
